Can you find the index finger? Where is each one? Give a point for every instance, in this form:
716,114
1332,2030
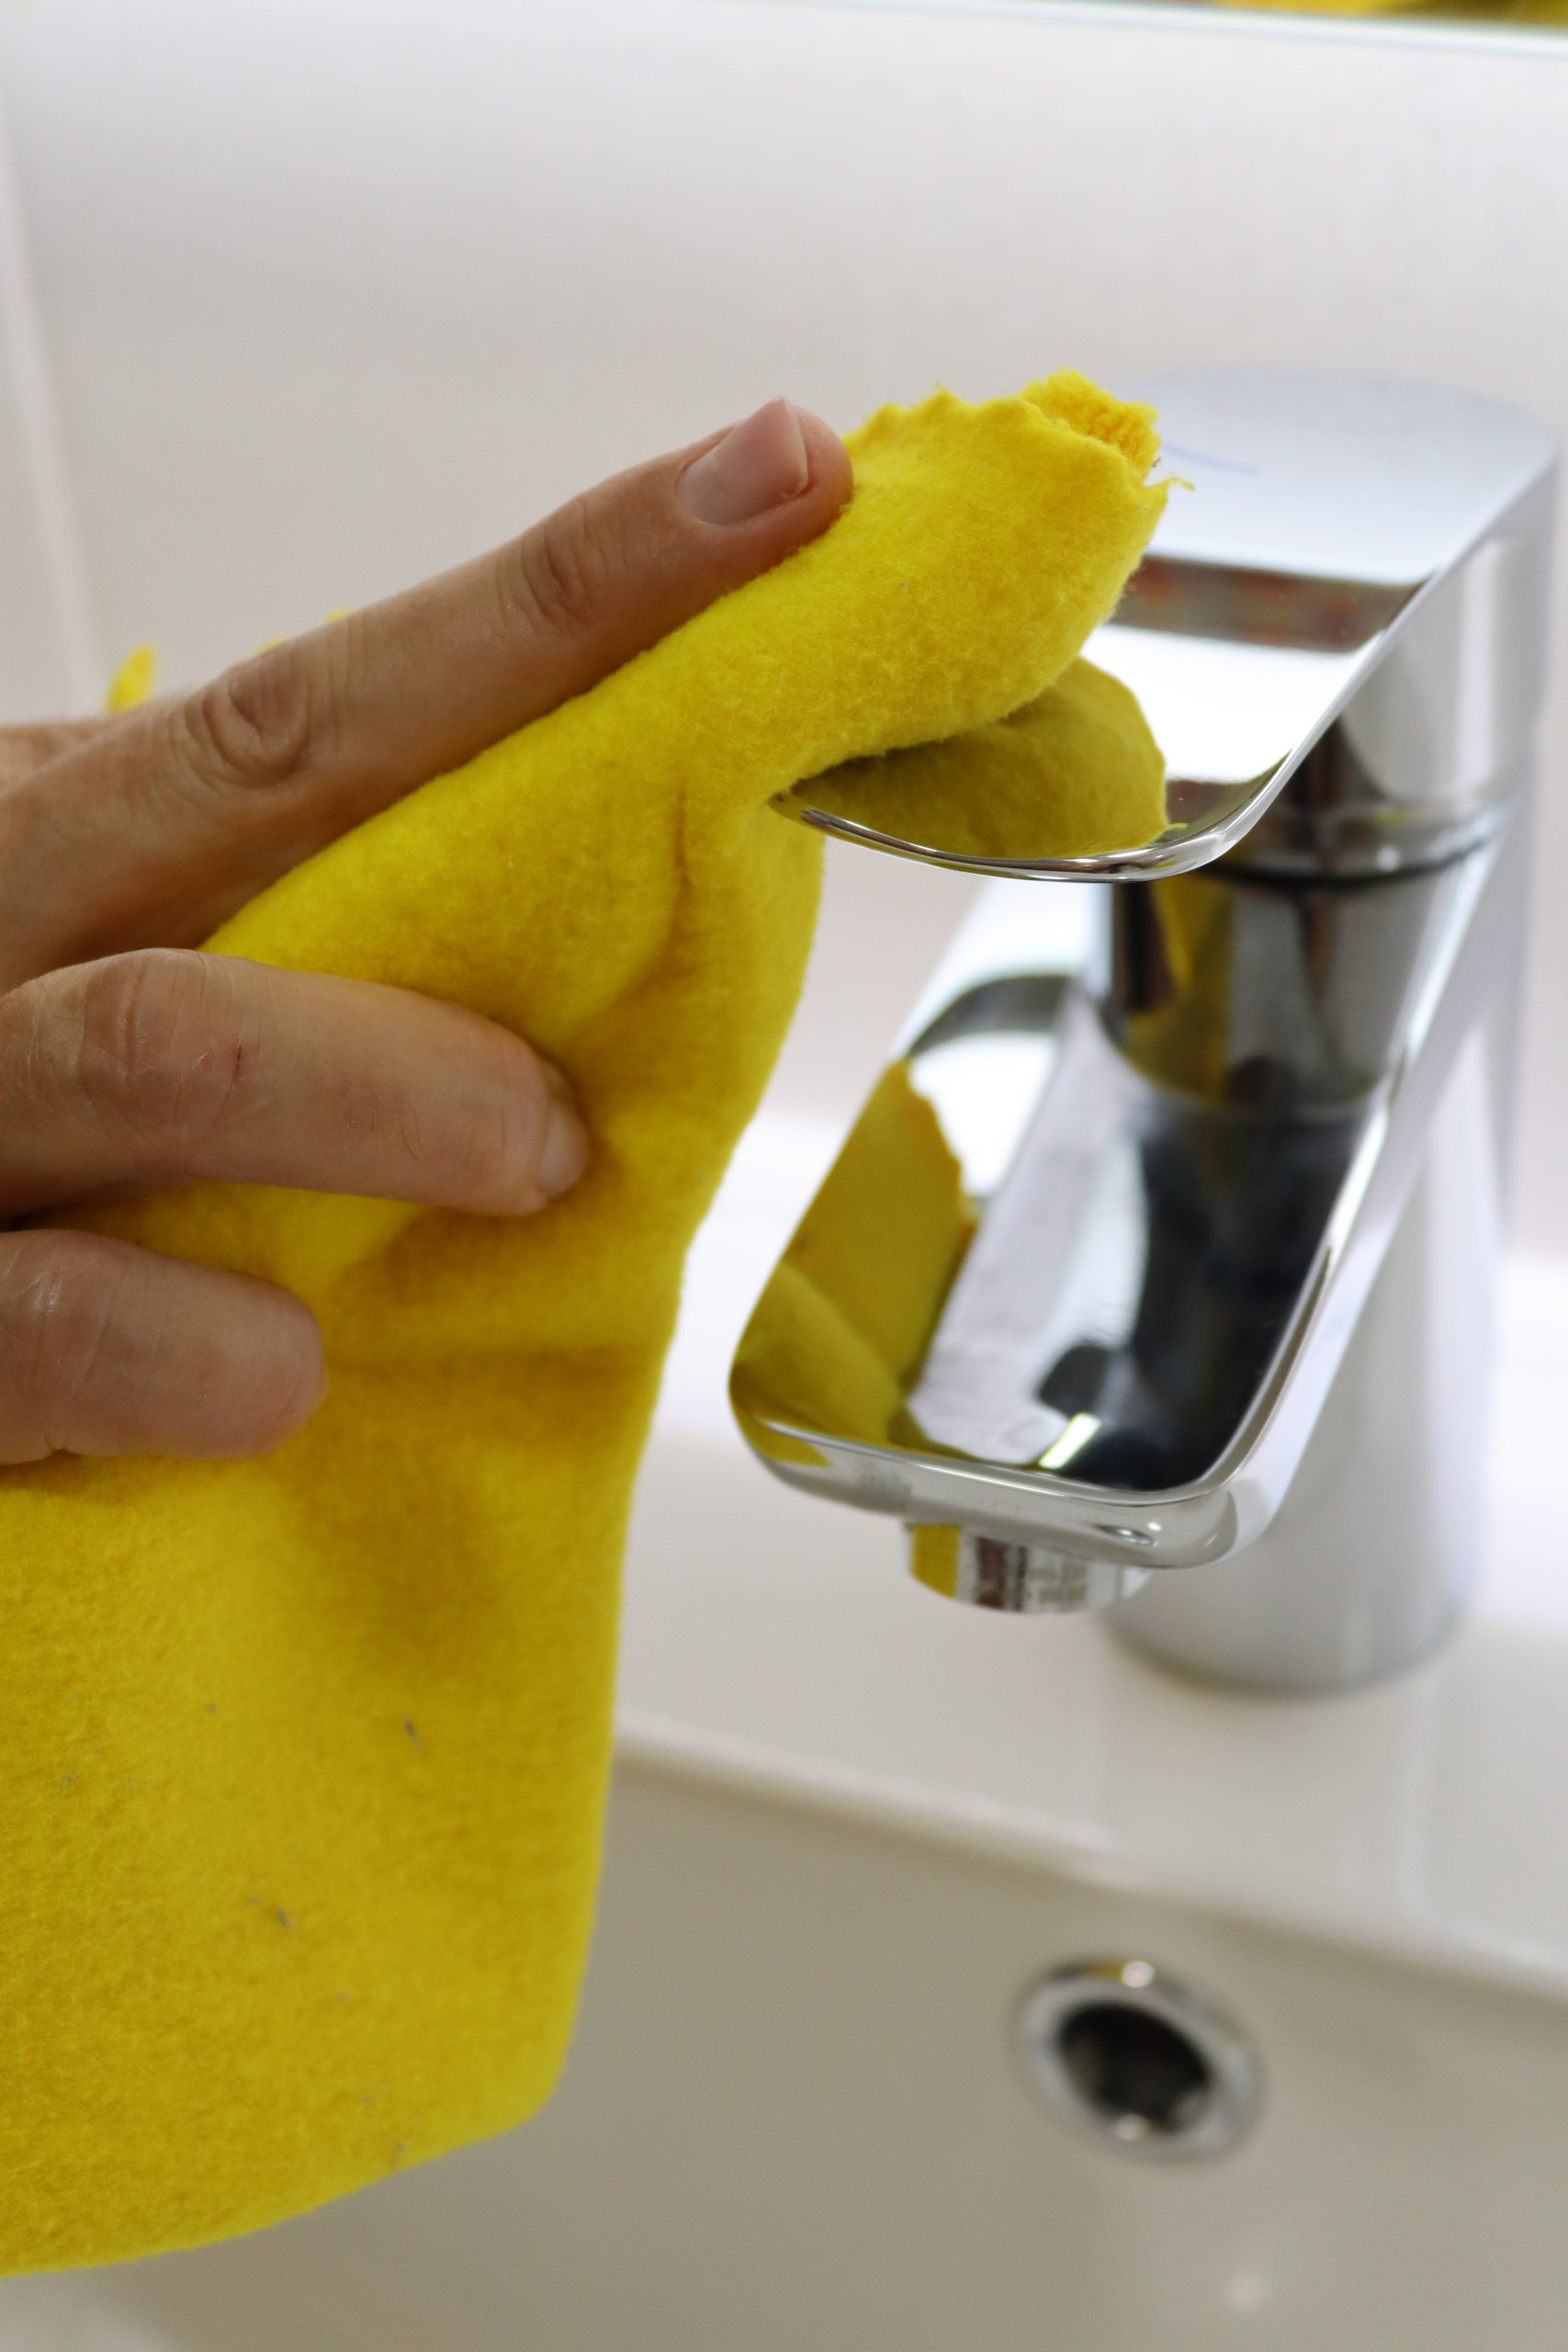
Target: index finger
155,830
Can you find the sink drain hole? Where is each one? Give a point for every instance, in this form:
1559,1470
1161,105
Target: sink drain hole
1138,2060
1138,2072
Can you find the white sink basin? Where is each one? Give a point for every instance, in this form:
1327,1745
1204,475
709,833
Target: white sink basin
794,2120
853,1825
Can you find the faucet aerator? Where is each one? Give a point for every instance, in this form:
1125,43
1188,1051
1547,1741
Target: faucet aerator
1021,1579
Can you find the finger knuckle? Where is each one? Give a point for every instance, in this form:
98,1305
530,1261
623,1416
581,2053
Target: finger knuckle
463,1152
26,1058
159,1046
60,1305
256,724
558,578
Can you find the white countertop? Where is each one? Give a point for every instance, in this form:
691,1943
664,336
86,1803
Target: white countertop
774,1644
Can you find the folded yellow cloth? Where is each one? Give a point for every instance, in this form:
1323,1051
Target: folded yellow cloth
1073,774
303,1758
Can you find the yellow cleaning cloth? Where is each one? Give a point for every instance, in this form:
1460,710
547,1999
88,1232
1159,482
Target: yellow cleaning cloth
304,1757
1073,774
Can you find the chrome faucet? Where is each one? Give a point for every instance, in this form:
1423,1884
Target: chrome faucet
1181,1288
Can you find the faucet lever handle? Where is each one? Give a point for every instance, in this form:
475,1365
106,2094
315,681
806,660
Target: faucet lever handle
1345,542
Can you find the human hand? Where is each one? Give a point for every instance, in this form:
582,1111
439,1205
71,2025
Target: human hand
129,1060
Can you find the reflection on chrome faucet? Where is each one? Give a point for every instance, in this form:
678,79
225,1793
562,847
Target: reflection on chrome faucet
1169,1236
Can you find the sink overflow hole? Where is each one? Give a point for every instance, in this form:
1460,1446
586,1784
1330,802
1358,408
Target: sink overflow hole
1141,2074
1138,2060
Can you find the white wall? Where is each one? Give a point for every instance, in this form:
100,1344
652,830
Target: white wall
337,290
42,598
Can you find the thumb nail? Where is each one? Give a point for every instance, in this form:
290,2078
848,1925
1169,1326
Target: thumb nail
564,1153
760,464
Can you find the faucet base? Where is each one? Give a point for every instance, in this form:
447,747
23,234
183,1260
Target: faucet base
1377,1547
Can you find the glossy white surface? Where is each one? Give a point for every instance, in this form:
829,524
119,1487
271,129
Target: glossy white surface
794,2120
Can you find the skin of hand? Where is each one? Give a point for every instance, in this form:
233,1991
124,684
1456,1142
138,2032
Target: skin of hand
129,1059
